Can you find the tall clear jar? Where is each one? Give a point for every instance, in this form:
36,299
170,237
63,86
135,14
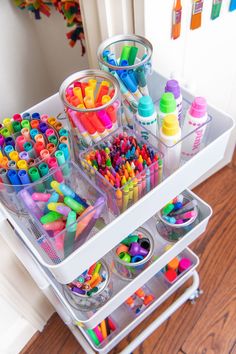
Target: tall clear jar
93,107
128,58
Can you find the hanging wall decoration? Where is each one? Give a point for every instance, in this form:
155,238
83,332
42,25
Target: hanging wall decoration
69,9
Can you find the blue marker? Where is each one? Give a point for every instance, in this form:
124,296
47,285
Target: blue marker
35,115
34,132
112,57
14,179
23,176
125,77
26,116
64,148
133,77
125,92
8,149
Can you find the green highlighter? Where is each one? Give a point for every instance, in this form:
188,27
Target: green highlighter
216,7
71,226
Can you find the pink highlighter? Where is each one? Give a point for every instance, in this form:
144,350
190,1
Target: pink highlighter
52,163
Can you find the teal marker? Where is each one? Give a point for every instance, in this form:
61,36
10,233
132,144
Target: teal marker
53,139
71,226
59,155
63,132
29,148
44,170
34,177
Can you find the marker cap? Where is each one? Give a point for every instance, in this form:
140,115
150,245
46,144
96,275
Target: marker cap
173,87
170,125
198,107
167,103
145,106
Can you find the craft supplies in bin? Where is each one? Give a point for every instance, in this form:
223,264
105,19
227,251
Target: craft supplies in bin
177,218
102,334
134,254
90,290
124,167
92,103
65,209
128,58
176,268
30,146
140,300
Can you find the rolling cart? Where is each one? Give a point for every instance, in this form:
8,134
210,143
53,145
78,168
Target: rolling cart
50,278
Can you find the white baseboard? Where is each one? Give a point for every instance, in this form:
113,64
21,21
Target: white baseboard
14,338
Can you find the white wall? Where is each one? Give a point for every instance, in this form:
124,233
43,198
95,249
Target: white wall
35,58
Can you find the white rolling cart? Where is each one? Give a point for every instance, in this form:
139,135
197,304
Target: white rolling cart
50,277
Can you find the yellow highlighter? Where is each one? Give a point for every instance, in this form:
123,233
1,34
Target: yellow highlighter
22,165
78,93
14,156
93,83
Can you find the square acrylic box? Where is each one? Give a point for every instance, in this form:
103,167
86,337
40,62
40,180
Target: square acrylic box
123,153
64,209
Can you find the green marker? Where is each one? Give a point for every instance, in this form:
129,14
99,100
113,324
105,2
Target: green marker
50,217
53,139
59,155
44,170
125,53
71,226
93,336
34,177
74,205
16,126
25,124
132,55
5,132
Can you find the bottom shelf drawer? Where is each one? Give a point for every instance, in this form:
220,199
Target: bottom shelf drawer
125,319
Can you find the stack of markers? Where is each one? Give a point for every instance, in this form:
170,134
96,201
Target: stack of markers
140,300
176,267
134,248
29,146
58,211
102,331
130,167
133,83
90,282
178,212
95,125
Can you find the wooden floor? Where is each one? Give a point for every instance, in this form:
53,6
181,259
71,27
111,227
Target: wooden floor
209,326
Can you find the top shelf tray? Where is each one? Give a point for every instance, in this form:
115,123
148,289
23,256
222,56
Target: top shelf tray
136,215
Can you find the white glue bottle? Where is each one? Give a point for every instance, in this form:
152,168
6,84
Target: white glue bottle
195,117
170,136
173,87
147,118
167,106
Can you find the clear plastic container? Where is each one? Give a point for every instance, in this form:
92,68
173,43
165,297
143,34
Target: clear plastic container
92,103
129,271
174,232
58,239
119,199
57,149
96,299
128,58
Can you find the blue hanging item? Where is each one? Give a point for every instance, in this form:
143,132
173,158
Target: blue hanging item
232,5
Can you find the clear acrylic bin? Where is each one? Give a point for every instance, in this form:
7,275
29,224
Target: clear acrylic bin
129,270
56,240
84,302
121,198
56,150
173,155
92,103
128,58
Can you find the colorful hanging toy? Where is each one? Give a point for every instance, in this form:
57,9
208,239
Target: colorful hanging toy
69,9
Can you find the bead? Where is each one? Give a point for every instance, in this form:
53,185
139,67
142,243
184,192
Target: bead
144,243
170,275
125,257
135,249
128,240
121,248
137,259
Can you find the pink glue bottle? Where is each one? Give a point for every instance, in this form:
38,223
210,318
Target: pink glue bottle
194,125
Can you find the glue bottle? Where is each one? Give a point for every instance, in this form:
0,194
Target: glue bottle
194,127
147,118
173,87
170,136
167,106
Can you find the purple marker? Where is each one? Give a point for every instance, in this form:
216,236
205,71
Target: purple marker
24,156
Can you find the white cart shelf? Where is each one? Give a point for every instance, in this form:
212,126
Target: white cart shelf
50,277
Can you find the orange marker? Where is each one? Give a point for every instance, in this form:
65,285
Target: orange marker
196,19
103,90
176,20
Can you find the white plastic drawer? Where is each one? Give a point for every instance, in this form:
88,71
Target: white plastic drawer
139,213
123,288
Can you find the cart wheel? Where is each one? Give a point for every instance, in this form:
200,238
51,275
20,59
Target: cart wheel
195,296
